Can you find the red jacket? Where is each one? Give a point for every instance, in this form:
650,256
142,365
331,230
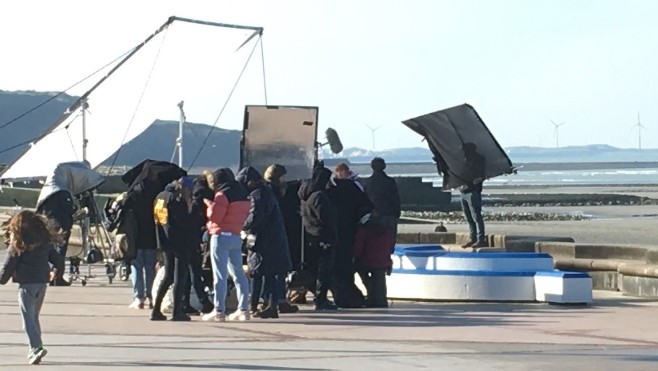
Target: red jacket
226,216
373,247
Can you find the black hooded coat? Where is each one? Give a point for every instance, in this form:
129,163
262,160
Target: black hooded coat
270,254
201,192
318,214
351,205
145,182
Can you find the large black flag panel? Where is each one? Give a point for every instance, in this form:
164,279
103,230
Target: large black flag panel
446,132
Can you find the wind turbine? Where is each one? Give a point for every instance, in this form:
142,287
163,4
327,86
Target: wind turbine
556,132
372,130
639,127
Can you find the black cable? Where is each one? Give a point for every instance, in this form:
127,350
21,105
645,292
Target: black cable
60,93
223,108
139,102
75,153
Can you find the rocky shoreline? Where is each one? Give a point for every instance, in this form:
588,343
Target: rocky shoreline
457,217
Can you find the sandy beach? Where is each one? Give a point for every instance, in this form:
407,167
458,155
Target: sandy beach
622,224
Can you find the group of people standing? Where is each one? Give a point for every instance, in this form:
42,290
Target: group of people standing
349,227
232,211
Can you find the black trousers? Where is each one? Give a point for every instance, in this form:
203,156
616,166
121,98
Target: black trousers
346,294
176,273
195,278
375,282
267,286
321,263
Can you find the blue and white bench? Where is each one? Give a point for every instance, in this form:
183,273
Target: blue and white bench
428,272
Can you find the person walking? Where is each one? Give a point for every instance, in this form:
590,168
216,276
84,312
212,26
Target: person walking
31,251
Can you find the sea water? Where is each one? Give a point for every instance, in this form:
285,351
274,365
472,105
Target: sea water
648,176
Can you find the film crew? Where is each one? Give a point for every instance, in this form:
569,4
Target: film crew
226,216
382,190
471,195
274,179
200,194
174,231
351,205
373,246
265,237
319,218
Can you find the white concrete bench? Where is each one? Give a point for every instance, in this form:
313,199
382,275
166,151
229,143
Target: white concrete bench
563,287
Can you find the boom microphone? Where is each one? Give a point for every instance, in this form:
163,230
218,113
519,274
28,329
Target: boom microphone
334,141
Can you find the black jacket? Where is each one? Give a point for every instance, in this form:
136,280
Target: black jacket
32,266
145,181
59,208
474,172
351,205
173,223
270,255
201,192
382,190
318,214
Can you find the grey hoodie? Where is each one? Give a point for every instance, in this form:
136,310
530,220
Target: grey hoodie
32,266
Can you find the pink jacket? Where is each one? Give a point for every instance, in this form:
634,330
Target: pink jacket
225,216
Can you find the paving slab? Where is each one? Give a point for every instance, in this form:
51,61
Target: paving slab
92,328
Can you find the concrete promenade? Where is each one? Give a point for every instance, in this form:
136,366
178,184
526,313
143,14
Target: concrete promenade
91,327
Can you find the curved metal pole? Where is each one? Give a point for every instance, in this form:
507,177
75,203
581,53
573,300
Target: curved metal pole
79,102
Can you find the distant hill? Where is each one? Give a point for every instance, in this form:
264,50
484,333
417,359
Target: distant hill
14,104
223,146
588,153
157,143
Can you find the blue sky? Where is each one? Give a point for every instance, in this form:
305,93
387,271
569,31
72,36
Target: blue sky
590,64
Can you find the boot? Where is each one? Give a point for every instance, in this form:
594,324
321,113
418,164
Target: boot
156,315
269,312
285,308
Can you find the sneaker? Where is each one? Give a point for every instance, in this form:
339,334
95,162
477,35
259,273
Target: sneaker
468,244
480,244
326,305
239,315
158,316
35,356
285,308
137,304
214,316
150,303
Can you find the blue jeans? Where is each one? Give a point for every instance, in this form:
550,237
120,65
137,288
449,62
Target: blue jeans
472,208
30,299
143,273
226,252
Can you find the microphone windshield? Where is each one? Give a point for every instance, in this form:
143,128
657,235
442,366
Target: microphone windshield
334,141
